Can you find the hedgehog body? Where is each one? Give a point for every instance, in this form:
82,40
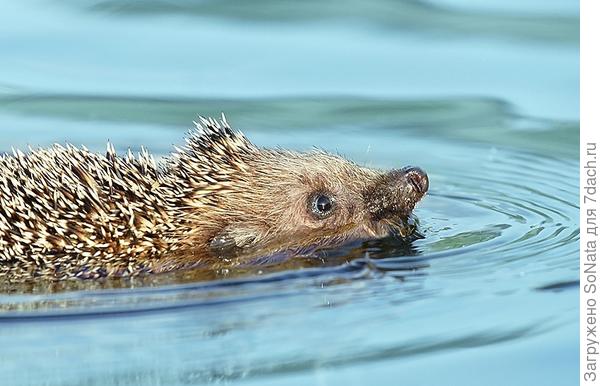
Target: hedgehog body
66,212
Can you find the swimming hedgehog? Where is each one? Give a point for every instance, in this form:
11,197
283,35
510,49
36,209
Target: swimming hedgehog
66,212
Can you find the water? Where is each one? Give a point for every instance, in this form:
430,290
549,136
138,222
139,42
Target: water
484,96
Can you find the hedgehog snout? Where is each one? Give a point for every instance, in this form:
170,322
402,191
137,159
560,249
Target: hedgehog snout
396,192
417,178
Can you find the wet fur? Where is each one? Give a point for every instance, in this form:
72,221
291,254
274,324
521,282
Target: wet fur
67,212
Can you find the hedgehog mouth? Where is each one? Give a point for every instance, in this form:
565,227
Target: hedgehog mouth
403,228
275,251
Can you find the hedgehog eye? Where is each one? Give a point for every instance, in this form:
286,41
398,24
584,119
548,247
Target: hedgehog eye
321,205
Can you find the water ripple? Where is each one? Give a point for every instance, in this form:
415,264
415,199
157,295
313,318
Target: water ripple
500,226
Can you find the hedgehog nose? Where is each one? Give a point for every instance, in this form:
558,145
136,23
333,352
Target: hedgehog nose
417,178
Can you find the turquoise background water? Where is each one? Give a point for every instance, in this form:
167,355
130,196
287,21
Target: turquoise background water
482,95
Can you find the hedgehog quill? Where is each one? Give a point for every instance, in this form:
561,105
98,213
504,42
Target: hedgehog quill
66,212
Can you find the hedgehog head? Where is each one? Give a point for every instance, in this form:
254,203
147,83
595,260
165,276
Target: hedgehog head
243,197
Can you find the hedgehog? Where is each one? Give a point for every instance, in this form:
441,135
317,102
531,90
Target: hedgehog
69,213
